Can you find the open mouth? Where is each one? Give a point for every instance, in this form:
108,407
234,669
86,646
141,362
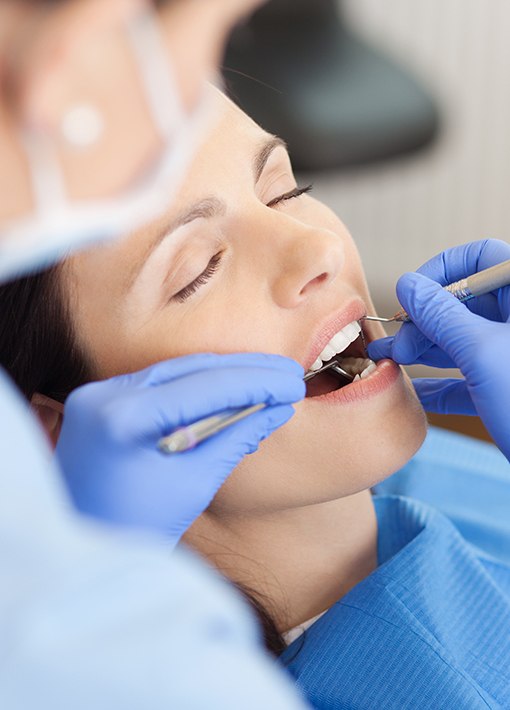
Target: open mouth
348,349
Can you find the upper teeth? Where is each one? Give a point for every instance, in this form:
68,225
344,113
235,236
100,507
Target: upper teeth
338,343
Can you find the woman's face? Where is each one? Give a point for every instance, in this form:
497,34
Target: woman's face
243,263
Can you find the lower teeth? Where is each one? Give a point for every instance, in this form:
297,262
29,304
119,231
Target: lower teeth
358,368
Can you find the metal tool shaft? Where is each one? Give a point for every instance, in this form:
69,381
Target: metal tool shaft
475,285
187,437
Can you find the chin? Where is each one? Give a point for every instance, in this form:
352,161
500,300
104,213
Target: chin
373,438
329,450
391,444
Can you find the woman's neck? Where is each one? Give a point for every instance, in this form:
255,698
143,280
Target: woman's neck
300,561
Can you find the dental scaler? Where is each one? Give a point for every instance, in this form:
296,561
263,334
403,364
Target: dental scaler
475,285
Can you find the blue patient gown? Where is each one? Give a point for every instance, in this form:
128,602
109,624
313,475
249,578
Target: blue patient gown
430,627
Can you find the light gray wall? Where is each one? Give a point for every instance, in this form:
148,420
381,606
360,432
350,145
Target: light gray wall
404,212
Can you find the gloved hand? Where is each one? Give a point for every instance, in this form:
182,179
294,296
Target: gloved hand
472,336
108,444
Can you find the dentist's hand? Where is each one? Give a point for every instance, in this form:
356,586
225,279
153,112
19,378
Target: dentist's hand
473,336
108,443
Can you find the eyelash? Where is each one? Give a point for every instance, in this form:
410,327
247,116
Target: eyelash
214,263
296,192
204,277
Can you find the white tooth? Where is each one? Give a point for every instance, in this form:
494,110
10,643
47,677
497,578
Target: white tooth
368,370
345,337
339,342
356,378
316,365
352,330
327,353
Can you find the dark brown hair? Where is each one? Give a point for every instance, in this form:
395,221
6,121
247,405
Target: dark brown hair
37,343
39,350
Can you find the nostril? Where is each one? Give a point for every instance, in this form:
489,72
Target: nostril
317,281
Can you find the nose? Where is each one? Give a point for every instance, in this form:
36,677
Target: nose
306,260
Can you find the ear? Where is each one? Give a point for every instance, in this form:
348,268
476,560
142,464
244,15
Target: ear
50,414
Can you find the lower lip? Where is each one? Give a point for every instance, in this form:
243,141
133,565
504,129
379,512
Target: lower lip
381,379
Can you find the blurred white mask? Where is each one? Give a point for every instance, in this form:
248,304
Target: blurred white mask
58,225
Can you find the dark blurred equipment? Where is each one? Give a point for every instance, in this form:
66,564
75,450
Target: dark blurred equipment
299,71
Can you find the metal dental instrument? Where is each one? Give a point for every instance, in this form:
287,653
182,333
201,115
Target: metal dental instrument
333,365
475,285
187,437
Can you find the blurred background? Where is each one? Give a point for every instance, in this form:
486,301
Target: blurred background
398,112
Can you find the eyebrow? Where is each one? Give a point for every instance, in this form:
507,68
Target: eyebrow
206,208
264,154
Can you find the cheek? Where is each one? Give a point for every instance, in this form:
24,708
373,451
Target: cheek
194,330
353,264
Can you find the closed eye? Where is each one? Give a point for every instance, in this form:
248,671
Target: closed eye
214,263
296,192
204,277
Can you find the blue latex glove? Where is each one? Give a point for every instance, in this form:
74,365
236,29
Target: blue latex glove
472,336
108,444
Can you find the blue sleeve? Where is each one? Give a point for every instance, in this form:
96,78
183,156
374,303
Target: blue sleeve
468,481
91,618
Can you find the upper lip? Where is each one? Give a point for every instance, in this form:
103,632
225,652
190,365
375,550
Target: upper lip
353,311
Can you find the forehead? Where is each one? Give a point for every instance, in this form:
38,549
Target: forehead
230,145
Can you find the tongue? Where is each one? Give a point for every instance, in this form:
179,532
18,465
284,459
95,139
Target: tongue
324,383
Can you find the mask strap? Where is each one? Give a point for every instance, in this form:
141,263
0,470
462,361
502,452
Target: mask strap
48,186
147,45
56,225
154,67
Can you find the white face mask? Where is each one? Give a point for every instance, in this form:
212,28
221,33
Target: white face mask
57,225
